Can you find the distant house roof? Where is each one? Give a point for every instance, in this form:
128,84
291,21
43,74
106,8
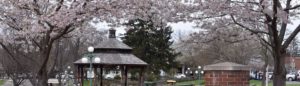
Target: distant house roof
113,52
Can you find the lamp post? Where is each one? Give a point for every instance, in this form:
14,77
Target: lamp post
68,74
200,72
188,71
90,56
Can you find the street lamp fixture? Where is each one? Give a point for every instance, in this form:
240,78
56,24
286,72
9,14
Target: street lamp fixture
97,60
199,67
90,50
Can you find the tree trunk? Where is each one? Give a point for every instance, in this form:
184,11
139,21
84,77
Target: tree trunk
33,81
43,77
15,82
264,74
43,72
279,69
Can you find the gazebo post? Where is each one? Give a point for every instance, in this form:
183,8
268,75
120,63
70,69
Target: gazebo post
81,74
123,75
101,72
126,72
141,78
95,76
78,74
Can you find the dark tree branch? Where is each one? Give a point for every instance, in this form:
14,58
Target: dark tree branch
36,43
65,31
291,8
247,28
208,17
36,7
263,40
248,2
10,54
284,25
291,37
60,3
273,25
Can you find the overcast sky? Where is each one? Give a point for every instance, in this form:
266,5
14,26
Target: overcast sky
181,28
184,29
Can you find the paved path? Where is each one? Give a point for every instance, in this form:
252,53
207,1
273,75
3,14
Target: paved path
8,83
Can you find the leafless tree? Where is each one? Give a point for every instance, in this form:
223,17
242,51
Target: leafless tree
207,47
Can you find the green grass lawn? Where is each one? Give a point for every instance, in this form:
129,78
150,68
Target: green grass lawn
258,83
1,82
195,82
86,83
252,83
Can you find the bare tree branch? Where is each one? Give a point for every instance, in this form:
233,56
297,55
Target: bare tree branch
291,37
247,28
291,8
284,25
10,53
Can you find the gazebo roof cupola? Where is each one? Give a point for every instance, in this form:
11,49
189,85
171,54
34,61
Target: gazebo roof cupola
112,44
112,33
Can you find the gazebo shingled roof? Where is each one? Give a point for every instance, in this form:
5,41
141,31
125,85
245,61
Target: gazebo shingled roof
112,43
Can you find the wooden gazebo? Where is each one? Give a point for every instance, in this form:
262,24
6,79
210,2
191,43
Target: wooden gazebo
112,53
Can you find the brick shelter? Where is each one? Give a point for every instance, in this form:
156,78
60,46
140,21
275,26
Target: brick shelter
293,60
226,74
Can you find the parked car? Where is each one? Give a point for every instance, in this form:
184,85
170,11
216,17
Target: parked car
259,75
298,75
252,75
291,76
270,75
179,76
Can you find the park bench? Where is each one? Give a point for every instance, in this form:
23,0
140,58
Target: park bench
53,82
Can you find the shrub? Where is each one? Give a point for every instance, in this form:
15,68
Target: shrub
117,77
